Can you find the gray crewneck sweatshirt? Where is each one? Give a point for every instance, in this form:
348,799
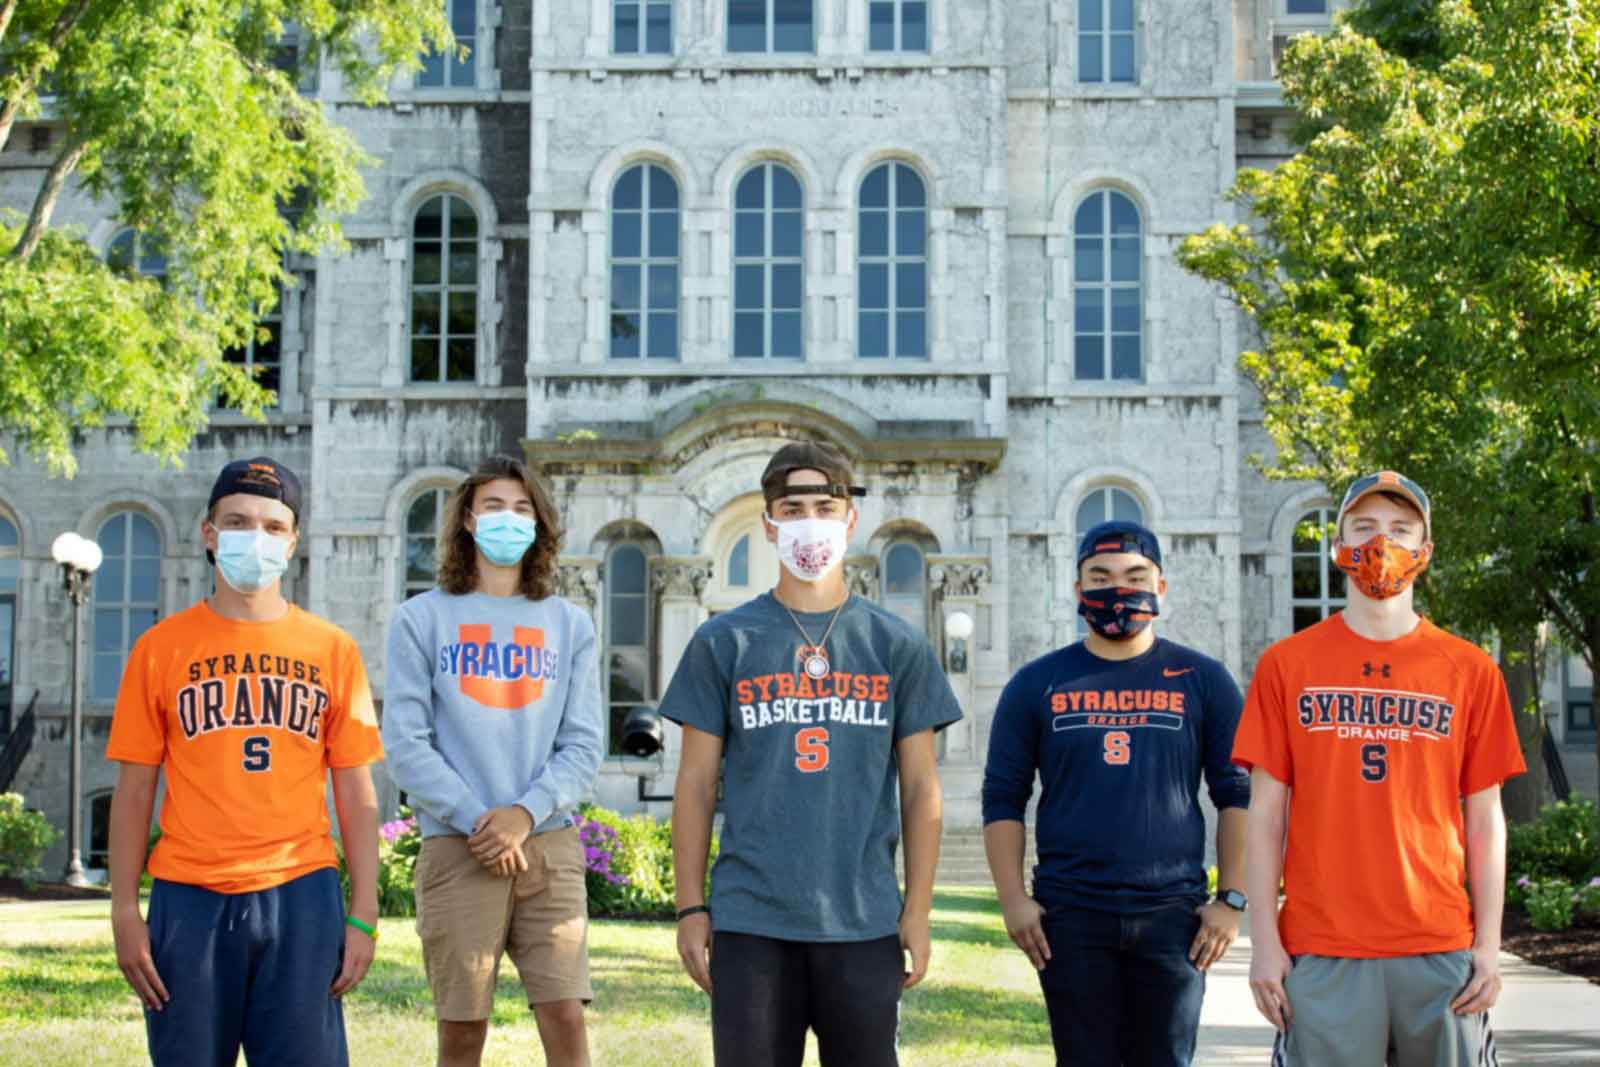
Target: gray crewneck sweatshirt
490,701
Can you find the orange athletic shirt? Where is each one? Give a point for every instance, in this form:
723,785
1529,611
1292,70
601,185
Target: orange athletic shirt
1378,741
246,718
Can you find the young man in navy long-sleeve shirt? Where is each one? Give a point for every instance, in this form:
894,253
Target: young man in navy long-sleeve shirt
1119,727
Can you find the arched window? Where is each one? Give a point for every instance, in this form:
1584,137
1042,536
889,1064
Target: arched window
127,596
134,252
644,264
641,27
442,71
628,627
905,583
9,561
1316,585
1105,504
99,852
444,291
739,564
770,26
1107,293
897,26
893,269
768,263
424,523
1106,41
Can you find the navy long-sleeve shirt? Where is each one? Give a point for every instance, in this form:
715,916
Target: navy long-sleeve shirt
1119,746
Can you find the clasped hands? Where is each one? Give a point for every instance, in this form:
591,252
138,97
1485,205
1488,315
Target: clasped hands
497,838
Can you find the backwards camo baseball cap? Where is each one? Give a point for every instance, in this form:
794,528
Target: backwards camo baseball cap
809,456
1119,536
261,476
1388,482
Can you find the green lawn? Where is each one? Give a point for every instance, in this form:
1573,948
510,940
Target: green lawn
66,1003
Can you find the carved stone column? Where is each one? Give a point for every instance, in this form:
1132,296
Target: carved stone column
677,582
861,576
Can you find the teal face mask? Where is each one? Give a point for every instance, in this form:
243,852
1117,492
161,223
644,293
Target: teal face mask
251,560
504,537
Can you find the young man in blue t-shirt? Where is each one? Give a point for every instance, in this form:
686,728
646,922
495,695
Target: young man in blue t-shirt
819,709
1119,727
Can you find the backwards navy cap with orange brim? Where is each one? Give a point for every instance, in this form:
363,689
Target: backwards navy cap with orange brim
1119,536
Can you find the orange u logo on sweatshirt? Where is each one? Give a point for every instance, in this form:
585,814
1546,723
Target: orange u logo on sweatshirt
499,674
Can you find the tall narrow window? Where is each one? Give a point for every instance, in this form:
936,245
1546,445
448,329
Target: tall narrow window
768,263
1106,51
450,71
739,564
263,352
905,584
770,26
424,523
892,276
641,27
99,851
1316,585
8,619
1108,313
1106,504
897,26
133,252
644,264
127,596
444,291
627,637
1306,7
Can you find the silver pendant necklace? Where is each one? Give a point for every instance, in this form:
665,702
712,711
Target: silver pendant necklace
814,656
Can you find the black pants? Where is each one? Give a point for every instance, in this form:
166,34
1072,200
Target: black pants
765,993
1120,989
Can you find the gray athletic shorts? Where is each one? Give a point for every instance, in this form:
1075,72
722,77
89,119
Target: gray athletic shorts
1396,1011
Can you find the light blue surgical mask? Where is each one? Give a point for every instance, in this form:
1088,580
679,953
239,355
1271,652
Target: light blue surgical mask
251,560
504,537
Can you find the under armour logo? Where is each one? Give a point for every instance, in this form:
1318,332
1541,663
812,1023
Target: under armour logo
1367,670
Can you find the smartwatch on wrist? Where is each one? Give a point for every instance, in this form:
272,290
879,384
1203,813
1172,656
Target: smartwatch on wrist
694,909
1233,899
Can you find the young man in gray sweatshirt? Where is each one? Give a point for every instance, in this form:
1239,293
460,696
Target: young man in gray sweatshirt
492,722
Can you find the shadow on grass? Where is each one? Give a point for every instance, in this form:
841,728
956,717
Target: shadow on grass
977,900
991,1018
54,982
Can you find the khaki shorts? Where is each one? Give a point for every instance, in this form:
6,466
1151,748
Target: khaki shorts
467,917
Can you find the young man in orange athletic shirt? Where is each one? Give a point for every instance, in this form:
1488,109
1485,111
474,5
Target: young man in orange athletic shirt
1369,730
246,702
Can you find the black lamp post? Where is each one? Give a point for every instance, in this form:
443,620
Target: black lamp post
79,559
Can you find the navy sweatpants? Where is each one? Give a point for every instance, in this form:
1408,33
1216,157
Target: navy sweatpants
250,969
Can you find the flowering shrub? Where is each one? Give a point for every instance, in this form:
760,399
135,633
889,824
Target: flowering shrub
629,863
25,836
1553,864
399,843
1553,903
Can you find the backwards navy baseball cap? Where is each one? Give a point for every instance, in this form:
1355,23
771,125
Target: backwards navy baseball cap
1120,536
261,476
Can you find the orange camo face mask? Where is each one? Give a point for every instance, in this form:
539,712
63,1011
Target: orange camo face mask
1380,567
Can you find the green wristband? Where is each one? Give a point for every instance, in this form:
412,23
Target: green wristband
370,931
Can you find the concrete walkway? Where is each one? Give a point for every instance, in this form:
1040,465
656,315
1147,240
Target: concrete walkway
1543,1017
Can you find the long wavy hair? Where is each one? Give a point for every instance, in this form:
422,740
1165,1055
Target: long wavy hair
458,553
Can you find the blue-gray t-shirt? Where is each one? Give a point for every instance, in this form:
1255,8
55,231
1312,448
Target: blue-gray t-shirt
810,780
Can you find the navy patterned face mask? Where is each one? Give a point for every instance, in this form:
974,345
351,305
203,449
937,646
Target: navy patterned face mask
1118,613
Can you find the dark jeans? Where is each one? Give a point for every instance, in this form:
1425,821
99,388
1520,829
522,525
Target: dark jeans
765,993
251,969
1120,989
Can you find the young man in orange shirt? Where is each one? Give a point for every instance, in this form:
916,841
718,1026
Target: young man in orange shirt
1364,734
246,702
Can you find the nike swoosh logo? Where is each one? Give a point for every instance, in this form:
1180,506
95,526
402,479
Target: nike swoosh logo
1168,672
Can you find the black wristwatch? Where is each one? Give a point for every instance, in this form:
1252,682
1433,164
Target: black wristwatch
1233,899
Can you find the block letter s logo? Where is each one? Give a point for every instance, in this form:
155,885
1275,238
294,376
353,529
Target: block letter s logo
811,749
258,753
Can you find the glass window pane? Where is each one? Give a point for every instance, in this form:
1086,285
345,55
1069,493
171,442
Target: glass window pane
625,572
874,340
8,584
423,515
425,360
874,233
658,30
902,570
747,25
464,17
425,313
1125,363
106,676
1305,617
625,28
1124,310
663,188
785,189
752,190
1089,357
908,187
1307,7
1336,590
1088,311
420,564
664,234
111,580
785,286
1307,535
430,219
431,76
1306,577
139,620
663,341
461,357
664,287
914,26
463,222
749,335
786,334
625,234
145,587
625,331
1122,15
787,233
1122,69
626,194
144,540
1088,261
113,535
911,287
749,288
426,266
1124,259
463,321
108,630
875,187
1091,15
462,72
880,29
1091,512
463,263
1124,216
625,288
8,534
910,233
627,628
1090,217
1124,508
739,563
911,334
791,25
749,233
1091,64
873,286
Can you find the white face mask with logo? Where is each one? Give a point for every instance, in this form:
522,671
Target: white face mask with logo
810,548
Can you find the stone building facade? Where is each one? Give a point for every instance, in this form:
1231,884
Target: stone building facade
644,242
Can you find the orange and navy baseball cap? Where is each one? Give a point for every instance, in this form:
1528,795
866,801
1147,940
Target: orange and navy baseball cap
1119,536
1388,482
261,476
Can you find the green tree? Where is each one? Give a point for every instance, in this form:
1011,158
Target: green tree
176,114
1422,278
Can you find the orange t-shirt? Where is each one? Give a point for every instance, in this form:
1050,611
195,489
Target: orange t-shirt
1378,741
246,717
